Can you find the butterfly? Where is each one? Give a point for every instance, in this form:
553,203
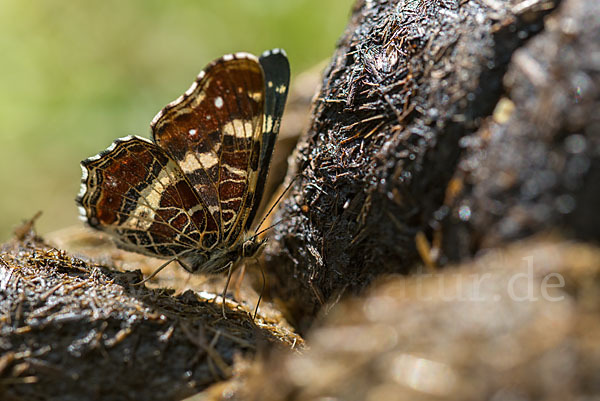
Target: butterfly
191,194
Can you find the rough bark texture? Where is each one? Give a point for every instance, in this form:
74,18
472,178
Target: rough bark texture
72,330
536,165
408,80
408,340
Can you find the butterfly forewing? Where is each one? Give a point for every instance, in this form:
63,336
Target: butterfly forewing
213,132
137,193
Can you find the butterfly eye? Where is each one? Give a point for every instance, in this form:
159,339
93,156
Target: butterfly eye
247,247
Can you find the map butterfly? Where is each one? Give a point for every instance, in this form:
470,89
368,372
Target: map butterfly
192,194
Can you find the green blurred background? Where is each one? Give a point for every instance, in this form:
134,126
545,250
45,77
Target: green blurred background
75,75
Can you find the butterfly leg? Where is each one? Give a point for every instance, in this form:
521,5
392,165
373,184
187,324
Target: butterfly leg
264,282
238,282
155,272
224,295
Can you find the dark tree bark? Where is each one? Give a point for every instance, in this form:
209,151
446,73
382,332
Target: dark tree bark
72,330
408,81
458,344
540,169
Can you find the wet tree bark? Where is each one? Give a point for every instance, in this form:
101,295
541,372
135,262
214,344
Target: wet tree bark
540,169
73,330
410,82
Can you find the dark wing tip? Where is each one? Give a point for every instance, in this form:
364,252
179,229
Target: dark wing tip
267,53
276,67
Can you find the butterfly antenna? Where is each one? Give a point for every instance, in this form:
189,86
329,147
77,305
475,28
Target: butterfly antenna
267,229
287,188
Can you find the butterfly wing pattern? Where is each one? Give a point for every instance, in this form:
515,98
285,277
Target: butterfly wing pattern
193,193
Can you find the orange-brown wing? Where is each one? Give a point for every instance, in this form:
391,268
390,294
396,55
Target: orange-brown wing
213,132
138,194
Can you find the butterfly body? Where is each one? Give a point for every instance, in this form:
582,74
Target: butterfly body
217,260
192,193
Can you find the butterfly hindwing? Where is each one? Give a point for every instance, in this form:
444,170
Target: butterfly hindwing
138,194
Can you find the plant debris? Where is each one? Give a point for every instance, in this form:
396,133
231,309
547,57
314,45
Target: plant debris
74,330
